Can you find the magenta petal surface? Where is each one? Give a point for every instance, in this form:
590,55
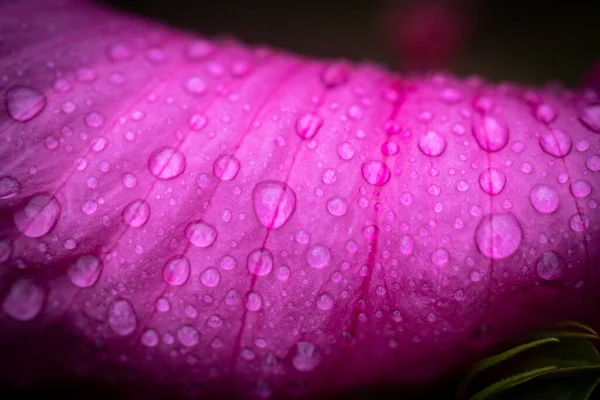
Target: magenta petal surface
220,218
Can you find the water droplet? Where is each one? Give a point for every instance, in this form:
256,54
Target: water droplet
318,256
9,187
440,257
376,172
260,262
432,144
345,151
407,244
51,142
176,271
89,207
550,266
335,74
98,144
24,103
544,199
200,233
210,277
581,188
200,49
390,148
253,301
228,262
307,357
5,250
274,203
226,167
492,181
450,95
490,134
579,222
129,180
166,163
120,52
188,336
24,300
590,117
556,142
94,119
593,163
498,235
307,125
197,122
122,318
38,216
150,338
337,206
545,113
84,273
325,302
195,86
136,213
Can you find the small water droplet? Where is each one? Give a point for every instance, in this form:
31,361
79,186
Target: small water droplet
335,74
432,144
38,216
544,199
129,180
545,113
253,301
345,151
274,203
325,302
210,277
228,262
307,125
579,222
24,300
9,187
166,163
581,188
24,103
188,336
84,273
226,167
94,119
260,262
318,256
307,357
492,181
136,213
122,318
150,338
337,206
407,244
490,134
176,271
390,148
195,86
590,117
550,266
376,172
440,257
200,233
556,142
593,163
498,235
120,52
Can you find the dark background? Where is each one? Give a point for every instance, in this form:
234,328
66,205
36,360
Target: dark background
527,41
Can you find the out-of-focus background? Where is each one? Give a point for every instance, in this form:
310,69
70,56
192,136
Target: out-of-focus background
528,41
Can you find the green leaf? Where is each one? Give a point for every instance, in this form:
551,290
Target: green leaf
569,324
510,382
564,335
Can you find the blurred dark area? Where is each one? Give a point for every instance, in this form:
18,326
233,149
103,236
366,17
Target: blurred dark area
531,42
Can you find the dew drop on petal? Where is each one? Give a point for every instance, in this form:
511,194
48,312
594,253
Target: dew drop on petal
188,336
490,134
176,271
432,144
84,273
550,266
121,317
166,163
325,302
274,203
556,142
226,167
590,117
9,187
38,216
307,125
200,233
544,199
593,163
24,103
498,235
318,256
24,300
335,74
136,213
260,262
492,181
407,244
337,206
581,188
307,357
210,277
376,172
253,301
579,222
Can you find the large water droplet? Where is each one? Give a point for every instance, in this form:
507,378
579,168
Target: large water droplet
307,357
226,167
136,213
9,187
590,117
24,300
260,261
544,199
376,172
38,217
274,203
432,144
318,256
579,222
498,235
84,273
307,125
122,318
556,142
166,163
24,103
581,188
200,233
550,266
490,134
188,336
210,277
492,181
176,271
